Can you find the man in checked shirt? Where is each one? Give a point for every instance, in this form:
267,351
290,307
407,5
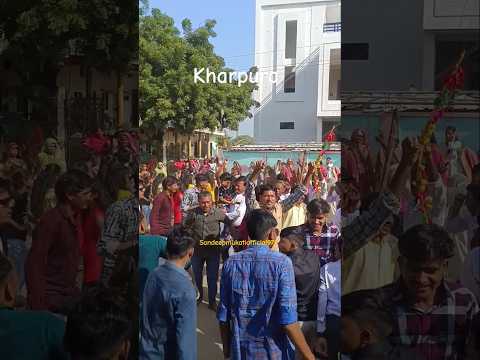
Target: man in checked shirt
432,317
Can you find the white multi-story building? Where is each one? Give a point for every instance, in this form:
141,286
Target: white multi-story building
409,44
298,43
396,56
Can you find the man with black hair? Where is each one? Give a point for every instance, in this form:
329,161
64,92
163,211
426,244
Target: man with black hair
99,327
204,224
225,192
432,317
258,301
190,197
320,235
162,215
306,267
365,327
54,258
169,312
238,209
268,200
26,335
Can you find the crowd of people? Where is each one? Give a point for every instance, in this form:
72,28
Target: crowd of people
200,215
309,267
69,249
410,289
358,268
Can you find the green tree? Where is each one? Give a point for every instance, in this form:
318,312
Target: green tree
168,94
40,33
243,140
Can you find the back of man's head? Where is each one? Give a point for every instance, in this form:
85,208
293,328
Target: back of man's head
369,311
259,224
98,327
179,242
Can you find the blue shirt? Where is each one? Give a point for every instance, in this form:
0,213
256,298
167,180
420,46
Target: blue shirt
151,248
169,315
258,297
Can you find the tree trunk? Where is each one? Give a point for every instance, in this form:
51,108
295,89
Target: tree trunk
120,104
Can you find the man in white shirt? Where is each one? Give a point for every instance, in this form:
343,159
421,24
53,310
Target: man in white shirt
329,308
236,213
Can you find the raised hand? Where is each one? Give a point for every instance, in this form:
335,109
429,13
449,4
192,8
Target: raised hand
410,150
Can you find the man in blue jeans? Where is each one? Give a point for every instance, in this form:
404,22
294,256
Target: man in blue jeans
169,314
204,224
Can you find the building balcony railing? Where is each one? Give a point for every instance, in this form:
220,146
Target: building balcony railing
332,27
413,101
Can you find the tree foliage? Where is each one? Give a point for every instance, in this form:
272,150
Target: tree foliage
40,33
243,140
168,94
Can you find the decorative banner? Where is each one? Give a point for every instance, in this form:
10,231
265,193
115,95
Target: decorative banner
441,105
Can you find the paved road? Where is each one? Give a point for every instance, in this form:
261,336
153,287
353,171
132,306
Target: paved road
208,334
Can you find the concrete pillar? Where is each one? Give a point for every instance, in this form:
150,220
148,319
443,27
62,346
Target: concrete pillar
189,149
428,65
61,114
120,101
164,151
319,129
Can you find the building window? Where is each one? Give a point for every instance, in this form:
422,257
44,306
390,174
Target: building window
358,51
287,126
289,80
291,39
334,75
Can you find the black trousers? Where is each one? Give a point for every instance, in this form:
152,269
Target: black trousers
332,335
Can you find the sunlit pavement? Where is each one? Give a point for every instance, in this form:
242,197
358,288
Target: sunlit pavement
208,334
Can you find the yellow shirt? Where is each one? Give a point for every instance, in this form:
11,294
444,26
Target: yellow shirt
372,266
296,216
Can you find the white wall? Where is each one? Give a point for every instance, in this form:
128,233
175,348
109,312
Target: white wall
402,37
393,30
451,14
303,106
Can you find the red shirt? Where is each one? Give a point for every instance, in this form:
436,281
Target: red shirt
53,262
179,165
162,215
91,235
177,211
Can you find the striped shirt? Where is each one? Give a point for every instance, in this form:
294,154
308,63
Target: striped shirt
438,333
324,244
120,232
